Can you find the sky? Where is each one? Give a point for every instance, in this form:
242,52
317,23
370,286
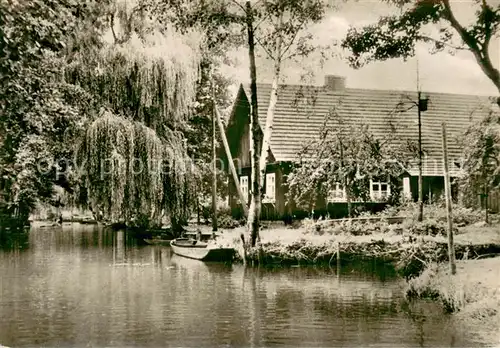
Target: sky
441,72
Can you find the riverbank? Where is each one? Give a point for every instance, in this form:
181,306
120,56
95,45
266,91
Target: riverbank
473,294
410,252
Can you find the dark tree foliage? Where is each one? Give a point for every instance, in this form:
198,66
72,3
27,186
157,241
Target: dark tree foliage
37,106
395,36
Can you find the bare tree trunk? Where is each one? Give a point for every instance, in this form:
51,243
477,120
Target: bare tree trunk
255,206
268,131
243,199
447,188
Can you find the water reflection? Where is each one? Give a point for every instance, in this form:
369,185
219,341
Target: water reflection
17,241
86,286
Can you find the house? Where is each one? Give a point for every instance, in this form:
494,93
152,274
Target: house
300,114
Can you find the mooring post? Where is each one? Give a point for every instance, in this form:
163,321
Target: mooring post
447,190
214,164
338,259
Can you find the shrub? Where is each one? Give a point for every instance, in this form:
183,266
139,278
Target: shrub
406,209
354,228
226,220
462,216
421,286
428,227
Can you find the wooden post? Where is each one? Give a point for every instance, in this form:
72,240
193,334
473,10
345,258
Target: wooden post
345,181
486,203
198,209
243,199
214,165
338,259
447,190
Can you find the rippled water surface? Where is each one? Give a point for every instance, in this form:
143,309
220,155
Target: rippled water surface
82,286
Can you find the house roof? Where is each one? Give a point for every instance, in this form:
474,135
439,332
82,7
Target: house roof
301,110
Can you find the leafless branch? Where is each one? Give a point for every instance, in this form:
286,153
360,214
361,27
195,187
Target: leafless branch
261,21
269,53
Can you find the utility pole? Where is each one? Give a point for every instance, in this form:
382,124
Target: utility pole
422,107
447,190
420,179
214,163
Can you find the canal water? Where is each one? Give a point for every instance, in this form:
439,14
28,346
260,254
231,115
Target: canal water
82,286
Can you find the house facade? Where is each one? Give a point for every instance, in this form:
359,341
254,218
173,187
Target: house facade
301,113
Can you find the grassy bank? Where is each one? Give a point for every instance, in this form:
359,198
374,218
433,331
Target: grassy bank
473,293
410,252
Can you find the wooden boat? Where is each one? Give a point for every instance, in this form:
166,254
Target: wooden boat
88,222
193,249
204,237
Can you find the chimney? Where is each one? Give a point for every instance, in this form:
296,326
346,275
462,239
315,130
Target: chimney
334,83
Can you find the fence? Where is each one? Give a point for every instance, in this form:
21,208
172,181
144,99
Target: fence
493,201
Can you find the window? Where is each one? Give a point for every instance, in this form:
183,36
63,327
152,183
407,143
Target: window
406,188
270,186
244,186
337,193
379,190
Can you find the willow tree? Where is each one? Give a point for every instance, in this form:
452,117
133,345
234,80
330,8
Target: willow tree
133,154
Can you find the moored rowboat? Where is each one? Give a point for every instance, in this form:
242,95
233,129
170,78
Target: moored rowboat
197,250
